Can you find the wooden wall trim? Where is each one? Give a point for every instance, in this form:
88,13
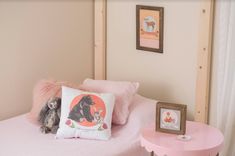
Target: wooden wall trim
100,39
204,61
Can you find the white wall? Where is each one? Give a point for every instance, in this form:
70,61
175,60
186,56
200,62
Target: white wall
170,76
41,39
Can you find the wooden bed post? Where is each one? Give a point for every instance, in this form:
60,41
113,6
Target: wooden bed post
100,39
204,61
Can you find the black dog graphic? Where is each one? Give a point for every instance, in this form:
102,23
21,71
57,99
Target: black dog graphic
82,110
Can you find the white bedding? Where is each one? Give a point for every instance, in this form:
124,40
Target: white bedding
18,137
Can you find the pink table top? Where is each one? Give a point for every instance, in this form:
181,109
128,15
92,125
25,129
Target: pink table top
205,141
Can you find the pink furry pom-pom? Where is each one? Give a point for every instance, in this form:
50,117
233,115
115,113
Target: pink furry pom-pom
43,90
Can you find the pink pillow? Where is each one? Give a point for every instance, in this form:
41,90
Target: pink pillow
42,91
123,91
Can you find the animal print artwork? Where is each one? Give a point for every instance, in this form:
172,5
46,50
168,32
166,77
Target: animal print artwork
87,110
170,119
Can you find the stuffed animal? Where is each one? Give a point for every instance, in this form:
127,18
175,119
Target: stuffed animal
49,116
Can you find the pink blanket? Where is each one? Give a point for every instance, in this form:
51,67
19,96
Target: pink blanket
18,137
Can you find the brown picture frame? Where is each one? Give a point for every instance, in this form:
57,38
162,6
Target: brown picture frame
149,28
171,118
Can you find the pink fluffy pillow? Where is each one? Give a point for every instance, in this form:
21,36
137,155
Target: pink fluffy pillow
123,91
43,90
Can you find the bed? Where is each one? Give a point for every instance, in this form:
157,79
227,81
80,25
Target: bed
19,137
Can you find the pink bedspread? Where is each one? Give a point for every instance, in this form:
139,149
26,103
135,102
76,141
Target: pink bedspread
18,137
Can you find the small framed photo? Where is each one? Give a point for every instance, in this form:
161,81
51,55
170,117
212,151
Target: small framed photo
149,28
171,118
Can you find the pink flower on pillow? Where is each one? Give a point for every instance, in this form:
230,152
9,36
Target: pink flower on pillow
68,122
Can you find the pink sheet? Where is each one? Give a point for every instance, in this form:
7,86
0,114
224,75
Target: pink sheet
18,137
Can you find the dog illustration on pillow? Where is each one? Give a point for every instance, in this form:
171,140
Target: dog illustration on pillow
99,120
81,111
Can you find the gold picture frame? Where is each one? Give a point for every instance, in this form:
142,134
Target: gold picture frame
171,118
149,28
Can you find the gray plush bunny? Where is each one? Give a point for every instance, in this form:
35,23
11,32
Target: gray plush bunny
49,116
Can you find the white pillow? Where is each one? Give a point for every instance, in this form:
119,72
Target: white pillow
85,114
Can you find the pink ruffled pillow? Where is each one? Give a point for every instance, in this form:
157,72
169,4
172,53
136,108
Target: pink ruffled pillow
123,91
42,91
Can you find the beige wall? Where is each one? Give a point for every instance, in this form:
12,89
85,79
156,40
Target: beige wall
170,76
41,39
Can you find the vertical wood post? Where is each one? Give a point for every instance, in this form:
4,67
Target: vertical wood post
100,39
204,61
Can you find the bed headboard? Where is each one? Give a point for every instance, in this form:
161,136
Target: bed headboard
200,99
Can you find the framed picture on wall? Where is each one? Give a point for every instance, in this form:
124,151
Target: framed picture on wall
171,118
149,28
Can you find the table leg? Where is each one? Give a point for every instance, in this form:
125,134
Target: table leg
217,154
152,153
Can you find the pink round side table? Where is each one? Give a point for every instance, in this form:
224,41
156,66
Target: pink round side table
205,141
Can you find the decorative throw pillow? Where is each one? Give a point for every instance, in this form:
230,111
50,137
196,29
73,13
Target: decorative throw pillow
85,114
42,92
123,91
